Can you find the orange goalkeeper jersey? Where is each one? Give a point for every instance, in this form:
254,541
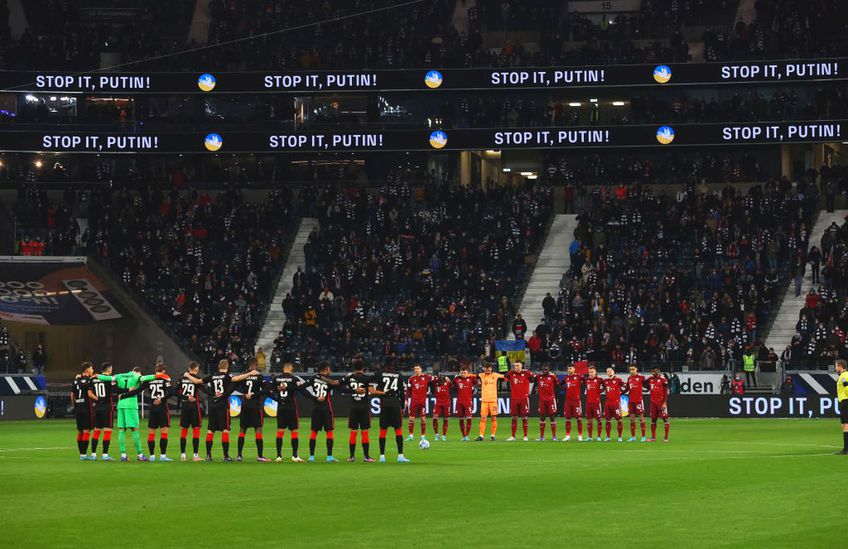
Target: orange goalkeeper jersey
489,387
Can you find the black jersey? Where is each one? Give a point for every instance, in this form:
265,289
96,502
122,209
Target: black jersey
187,389
104,391
286,397
392,384
80,388
220,386
350,383
319,390
160,389
254,385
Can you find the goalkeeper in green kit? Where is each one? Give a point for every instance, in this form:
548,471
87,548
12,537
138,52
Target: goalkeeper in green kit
129,385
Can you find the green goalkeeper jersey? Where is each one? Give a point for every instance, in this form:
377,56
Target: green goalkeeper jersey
128,381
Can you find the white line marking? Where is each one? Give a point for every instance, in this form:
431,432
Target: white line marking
29,382
13,385
817,387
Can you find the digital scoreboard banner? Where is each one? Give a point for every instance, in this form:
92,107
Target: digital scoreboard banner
434,79
427,140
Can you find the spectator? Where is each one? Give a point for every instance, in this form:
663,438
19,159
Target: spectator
519,327
39,359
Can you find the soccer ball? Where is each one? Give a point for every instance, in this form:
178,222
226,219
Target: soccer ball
424,444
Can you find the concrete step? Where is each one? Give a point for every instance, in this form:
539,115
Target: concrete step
276,318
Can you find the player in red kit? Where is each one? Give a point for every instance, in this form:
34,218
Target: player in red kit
464,384
737,386
594,386
418,385
441,386
613,386
519,381
546,386
635,387
658,385
572,382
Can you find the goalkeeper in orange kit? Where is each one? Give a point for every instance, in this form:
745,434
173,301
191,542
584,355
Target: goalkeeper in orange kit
488,400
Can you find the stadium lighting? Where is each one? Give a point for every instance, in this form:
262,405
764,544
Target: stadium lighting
575,104
507,170
526,174
38,163
593,100
618,103
534,176
492,151
31,99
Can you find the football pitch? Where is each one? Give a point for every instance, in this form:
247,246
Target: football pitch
751,483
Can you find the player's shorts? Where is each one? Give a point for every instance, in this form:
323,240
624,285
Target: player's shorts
359,418
593,410
612,411
251,418
658,412
287,418
190,416
417,409
83,415
636,408
519,407
127,418
547,408
488,409
572,410
104,418
158,417
843,411
442,410
463,410
390,416
219,418
322,420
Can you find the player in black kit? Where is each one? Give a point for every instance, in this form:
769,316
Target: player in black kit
221,384
159,417
390,389
284,389
104,411
81,394
319,389
357,384
190,414
253,391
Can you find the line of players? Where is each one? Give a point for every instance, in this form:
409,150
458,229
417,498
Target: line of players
94,408
547,385
94,405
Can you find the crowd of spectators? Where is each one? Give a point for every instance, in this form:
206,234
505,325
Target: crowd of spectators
668,281
203,263
13,359
412,272
823,321
65,35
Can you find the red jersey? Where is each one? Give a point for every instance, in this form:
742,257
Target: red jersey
593,389
464,389
635,386
418,388
572,387
519,384
738,387
659,389
442,387
547,384
614,387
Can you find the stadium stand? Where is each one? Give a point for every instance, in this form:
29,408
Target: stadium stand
630,294
373,283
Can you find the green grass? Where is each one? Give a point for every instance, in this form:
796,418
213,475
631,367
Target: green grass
739,483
